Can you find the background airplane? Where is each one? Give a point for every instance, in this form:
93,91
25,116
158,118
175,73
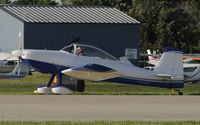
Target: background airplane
7,62
21,70
191,70
12,65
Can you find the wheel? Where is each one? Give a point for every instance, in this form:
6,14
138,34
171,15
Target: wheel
180,93
80,85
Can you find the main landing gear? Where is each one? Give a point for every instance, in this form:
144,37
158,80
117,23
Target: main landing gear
51,89
179,92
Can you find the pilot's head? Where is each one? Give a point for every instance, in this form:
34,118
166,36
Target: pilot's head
79,51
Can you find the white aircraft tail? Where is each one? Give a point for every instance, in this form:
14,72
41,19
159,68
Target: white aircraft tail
171,63
20,70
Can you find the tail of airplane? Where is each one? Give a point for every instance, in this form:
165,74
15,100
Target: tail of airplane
20,70
171,63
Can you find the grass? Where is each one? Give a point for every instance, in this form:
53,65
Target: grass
101,123
23,86
27,85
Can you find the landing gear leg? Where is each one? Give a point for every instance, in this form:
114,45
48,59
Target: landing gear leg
60,89
51,80
45,89
59,80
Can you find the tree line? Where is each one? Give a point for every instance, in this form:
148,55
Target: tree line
162,22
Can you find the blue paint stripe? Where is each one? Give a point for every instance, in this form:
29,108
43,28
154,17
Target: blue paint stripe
170,48
147,83
94,67
45,67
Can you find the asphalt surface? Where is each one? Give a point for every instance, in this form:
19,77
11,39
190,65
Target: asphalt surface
98,107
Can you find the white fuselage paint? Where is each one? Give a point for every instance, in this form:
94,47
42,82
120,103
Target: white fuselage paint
66,59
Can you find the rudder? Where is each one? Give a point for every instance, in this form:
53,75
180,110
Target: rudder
171,62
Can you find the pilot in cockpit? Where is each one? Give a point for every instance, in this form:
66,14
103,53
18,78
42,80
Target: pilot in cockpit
79,51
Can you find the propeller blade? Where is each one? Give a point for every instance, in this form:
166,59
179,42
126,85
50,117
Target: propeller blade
17,53
20,40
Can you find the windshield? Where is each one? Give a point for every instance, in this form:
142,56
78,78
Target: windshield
87,50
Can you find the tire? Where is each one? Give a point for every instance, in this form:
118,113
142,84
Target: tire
80,85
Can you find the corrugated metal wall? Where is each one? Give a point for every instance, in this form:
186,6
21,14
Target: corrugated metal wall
113,38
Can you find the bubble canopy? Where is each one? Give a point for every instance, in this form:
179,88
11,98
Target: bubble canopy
88,50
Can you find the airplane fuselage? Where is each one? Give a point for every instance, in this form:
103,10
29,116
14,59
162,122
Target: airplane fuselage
55,61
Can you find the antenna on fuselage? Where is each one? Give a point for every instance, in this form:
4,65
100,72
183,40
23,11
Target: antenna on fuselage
75,40
71,43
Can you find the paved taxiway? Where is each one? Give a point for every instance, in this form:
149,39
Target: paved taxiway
94,107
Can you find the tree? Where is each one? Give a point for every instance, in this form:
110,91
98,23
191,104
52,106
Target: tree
85,2
35,2
164,23
5,1
195,5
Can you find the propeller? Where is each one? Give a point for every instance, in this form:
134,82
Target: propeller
18,52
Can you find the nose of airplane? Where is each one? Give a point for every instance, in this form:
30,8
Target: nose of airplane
17,53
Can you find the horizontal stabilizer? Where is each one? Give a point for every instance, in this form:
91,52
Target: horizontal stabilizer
188,60
92,72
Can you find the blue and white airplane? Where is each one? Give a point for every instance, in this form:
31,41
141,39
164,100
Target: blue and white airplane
85,62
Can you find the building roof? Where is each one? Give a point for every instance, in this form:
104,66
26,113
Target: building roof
67,14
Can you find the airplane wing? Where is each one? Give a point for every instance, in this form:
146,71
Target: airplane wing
92,72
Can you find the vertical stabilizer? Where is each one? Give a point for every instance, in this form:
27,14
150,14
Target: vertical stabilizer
21,70
171,63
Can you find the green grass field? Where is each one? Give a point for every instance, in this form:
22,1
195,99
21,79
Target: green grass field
27,85
102,123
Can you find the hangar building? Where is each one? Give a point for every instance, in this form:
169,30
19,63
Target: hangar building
52,27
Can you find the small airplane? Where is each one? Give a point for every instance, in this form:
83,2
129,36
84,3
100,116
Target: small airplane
191,58
85,62
20,71
7,62
191,70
